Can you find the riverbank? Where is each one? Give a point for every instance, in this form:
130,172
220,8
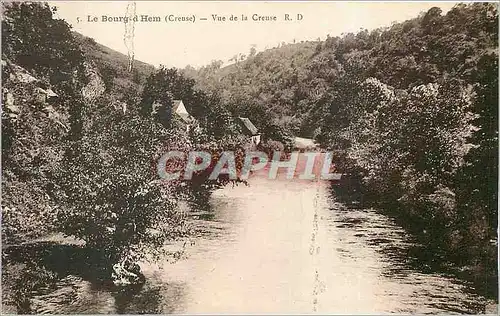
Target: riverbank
477,264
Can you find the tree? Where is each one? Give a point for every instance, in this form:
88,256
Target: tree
253,51
108,74
109,193
32,38
163,85
477,183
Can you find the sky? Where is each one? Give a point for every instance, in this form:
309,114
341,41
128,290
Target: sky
178,44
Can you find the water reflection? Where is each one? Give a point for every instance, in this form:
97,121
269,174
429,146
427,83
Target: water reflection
406,269
154,298
275,246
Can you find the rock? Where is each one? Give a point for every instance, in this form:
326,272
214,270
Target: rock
12,109
491,308
95,88
120,106
23,77
20,74
125,273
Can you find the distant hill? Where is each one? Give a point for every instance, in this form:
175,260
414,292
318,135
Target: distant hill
296,55
260,79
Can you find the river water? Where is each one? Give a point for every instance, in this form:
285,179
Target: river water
279,246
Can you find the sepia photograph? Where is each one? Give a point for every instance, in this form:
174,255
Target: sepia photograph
249,157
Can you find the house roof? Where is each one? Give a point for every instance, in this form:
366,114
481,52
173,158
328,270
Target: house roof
248,125
186,118
176,105
183,115
49,92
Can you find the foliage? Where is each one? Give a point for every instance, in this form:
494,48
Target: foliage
109,193
214,129
38,42
166,85
270,146
33,129
411,109
86,165
107,74
266,87
419,131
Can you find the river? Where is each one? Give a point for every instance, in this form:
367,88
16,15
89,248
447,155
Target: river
280,246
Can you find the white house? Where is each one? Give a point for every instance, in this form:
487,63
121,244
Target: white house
249,129
178,110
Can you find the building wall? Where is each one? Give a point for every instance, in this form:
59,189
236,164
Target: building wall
256,139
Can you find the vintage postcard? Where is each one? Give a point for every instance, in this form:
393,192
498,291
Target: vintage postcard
237,157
